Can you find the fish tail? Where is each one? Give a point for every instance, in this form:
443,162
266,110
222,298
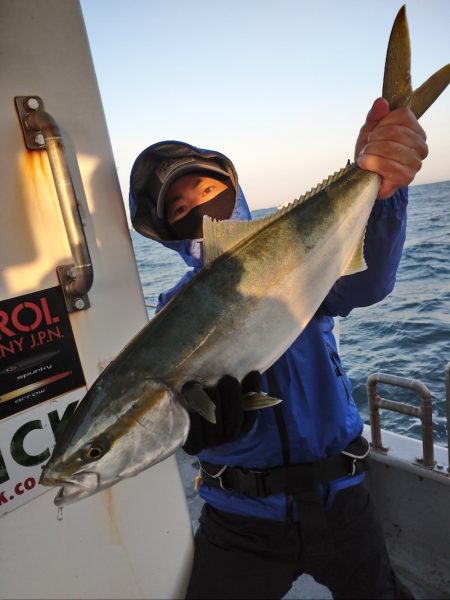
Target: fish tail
397,86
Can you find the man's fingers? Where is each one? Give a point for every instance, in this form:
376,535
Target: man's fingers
395,150
379,110
403,117
403,136
394,174
251,382
392,170
392,152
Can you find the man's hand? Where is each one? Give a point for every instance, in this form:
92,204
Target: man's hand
392,144
231,420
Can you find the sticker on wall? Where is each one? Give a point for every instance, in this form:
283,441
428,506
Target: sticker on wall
38,356
26,443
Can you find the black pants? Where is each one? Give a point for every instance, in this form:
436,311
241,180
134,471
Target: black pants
241,557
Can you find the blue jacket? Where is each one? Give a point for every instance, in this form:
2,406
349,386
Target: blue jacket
319,412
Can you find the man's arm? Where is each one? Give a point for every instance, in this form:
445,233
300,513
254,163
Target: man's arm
392,144
383,246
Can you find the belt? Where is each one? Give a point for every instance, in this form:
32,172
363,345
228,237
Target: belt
292,479
299,482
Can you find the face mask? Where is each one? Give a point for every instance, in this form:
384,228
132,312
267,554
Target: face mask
190,227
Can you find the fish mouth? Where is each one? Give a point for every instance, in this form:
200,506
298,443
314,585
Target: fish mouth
77,487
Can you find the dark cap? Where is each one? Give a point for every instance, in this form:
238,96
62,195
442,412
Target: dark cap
170,169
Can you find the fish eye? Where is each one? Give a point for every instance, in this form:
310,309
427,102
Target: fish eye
94,452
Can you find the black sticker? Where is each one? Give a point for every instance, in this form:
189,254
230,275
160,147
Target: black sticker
38,355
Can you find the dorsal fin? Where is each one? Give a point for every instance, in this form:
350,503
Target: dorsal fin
221,236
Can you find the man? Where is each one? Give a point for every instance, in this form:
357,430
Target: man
283,487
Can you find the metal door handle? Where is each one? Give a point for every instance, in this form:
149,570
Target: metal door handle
41,132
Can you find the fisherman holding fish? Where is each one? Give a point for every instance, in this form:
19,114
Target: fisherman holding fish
240,365
283,487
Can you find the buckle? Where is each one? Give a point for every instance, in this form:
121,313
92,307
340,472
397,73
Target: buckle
252,483
358,450
217,476
353,465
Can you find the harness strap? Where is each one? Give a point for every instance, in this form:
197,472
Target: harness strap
300,481
283,435
293,479
279,417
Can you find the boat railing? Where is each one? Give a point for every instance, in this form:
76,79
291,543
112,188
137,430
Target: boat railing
423,412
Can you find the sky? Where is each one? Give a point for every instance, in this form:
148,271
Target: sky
281,87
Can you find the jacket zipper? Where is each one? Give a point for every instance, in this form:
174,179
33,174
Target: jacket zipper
337,369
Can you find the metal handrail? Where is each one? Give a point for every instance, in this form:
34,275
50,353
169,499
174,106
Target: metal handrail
424,412
41,131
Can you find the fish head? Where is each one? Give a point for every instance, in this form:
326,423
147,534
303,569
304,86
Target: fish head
109,439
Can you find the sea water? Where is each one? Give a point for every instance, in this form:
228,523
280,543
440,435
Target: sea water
407,334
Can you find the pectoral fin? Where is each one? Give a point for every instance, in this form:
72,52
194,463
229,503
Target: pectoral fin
199,402
258,400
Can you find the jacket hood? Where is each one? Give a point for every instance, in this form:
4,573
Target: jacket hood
143,209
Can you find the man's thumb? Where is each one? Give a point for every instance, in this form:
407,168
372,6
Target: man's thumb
380,108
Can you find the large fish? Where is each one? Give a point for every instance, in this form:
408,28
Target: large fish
262,282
